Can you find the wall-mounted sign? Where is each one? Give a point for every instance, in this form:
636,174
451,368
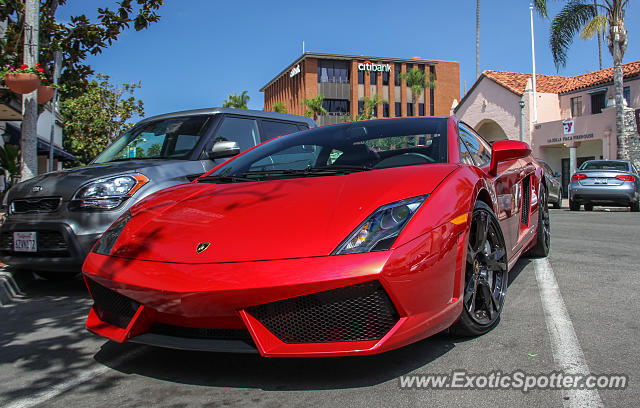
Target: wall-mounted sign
568,127
294,71
570,138
370,66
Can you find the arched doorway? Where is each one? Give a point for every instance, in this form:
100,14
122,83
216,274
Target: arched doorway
490,130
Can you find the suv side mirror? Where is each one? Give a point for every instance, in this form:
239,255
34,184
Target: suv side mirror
226,148
504,150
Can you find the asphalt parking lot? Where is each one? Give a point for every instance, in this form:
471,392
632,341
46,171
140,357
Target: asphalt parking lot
47,358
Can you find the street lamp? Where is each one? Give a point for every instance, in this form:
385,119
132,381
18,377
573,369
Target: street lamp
521,120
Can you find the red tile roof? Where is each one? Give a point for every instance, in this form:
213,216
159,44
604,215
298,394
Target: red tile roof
516,82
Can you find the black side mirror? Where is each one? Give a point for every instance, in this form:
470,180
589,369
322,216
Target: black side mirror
224,149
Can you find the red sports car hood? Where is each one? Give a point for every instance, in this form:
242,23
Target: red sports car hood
277,219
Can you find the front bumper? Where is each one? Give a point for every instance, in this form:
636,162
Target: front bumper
59,248
323,306
623,194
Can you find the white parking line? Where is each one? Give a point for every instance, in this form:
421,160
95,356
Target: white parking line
564,343
81,378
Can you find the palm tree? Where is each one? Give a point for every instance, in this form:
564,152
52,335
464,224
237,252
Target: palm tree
314,107
280,107
237,101
579,17
370,106
417,80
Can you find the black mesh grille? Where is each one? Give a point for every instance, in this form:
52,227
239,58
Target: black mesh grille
353,313
42,205
526,200
112,307
49,243
200,333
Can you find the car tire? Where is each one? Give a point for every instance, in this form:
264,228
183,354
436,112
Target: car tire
588,207
573,206
486,275
558,204
543,234
635,207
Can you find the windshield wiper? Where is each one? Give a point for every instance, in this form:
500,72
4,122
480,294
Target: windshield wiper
232,179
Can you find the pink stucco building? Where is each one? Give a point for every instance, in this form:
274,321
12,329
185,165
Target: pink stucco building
574,117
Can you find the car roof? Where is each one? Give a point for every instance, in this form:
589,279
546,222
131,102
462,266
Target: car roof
234,111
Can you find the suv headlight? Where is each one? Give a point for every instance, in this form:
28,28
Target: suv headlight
380,230
107,193
110,236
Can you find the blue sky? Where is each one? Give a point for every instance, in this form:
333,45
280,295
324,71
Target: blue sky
203,50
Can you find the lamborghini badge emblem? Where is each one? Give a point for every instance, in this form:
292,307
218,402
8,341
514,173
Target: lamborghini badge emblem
202,247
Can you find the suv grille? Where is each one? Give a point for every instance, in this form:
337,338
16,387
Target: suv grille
112,307
50,243
353,313
35,205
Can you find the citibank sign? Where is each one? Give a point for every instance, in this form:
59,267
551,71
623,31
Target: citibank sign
369,66
295,71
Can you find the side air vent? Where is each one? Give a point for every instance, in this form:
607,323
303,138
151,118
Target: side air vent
112,307
526,200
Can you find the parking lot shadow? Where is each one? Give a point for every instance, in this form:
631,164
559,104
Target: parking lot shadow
253,371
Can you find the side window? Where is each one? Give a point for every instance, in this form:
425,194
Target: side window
271,129
240,130
465,156
479,150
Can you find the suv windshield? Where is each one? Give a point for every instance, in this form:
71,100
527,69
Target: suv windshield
173,138
605,165
340,149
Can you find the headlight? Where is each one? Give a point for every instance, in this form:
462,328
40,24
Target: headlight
110,236
379,231
107,193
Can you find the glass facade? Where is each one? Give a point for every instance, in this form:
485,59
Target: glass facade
336,106
385,78
361,77
385,110
333,71
398,67
398,109
421,109
373,77
409,109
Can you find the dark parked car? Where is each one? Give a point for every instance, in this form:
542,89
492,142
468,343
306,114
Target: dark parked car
605,182
54,219
553,184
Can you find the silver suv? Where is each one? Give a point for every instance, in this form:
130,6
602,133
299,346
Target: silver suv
55,219
605,182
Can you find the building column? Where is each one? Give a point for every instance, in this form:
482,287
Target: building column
354,88
379,91
403,92
392,91
573,160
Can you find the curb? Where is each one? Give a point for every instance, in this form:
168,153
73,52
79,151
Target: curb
10,283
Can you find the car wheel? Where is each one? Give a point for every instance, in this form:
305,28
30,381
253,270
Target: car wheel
558,204
486,275
635,207
588,207
573,206
543,235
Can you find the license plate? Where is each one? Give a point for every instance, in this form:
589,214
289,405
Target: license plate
601,181
25,242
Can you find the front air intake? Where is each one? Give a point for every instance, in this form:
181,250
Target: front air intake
353,313
112,307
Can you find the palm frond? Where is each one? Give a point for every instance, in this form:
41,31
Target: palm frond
569,22
596,25
541,7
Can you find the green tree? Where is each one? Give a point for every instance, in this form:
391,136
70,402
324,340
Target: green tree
77,36
587,20
95,118
417,80
237,101
280,107
369,109
314,107
10,162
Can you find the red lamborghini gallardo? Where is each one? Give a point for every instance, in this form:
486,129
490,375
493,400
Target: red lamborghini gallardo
350,239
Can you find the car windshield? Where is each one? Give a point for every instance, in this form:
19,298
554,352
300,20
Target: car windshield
605,165
173,138
341,149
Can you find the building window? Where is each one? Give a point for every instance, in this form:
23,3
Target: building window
360,107
576,106
398,109
421,109
409,109
626,93
385,78
336,106
385,110
333,71
598,102
396,80
373,78
361,77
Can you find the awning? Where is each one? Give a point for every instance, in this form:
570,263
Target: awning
43,145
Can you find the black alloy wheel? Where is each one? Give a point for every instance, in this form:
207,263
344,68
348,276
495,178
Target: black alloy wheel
486,275
543,235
